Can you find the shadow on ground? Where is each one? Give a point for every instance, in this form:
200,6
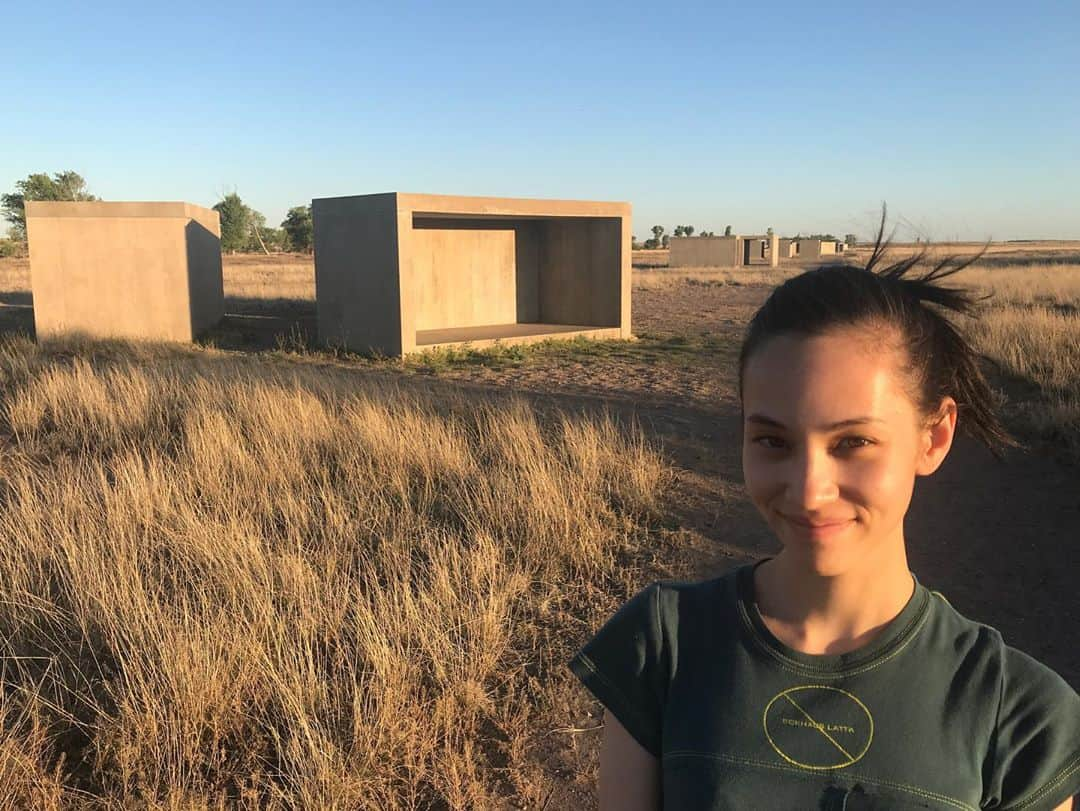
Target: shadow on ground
249,324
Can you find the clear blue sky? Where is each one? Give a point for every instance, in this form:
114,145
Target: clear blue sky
964,116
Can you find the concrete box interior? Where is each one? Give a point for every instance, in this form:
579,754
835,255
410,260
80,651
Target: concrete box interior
147,271
397,273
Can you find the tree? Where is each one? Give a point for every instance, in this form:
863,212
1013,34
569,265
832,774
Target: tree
664,241
769,231
727,230
236,223
299,231
688,230
851,240
257,237
657,232
680,231
61,186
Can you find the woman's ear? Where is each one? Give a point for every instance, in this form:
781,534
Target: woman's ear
937,438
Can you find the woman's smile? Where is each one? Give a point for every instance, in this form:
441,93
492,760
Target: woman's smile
817,529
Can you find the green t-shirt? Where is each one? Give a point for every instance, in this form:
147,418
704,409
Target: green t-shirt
937,712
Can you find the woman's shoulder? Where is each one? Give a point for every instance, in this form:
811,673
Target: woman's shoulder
1016,671
712,597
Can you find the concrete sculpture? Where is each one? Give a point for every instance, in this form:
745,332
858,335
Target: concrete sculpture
398,273
124,270
729,251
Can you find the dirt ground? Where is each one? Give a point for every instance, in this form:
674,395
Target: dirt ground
997,538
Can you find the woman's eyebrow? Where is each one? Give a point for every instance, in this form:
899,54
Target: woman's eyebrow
761,419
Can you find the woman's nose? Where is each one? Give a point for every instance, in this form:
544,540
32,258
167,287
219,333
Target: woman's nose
813,480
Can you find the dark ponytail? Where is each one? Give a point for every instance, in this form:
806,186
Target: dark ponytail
907,296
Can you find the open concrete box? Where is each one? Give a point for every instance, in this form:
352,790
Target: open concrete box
149,271
398,273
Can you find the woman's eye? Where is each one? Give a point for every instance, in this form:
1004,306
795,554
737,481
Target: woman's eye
773,442
851,442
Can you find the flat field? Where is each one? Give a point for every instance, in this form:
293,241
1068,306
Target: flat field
250,573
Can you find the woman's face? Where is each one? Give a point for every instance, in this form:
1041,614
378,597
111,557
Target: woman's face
832,443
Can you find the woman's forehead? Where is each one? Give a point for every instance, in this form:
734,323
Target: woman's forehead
830,378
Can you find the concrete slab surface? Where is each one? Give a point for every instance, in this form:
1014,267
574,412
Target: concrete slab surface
508,334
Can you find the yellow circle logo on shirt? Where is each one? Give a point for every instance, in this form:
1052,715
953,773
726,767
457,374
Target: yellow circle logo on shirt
818,727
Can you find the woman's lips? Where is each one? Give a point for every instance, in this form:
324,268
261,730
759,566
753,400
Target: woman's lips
818,529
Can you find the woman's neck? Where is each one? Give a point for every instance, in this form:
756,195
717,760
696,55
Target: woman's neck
835,614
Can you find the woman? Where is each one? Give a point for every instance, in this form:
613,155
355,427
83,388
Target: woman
828,676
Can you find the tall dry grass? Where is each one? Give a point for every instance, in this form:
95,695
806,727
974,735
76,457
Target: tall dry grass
233,584
1031,329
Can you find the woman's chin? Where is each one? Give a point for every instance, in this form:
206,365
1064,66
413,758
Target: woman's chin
821,559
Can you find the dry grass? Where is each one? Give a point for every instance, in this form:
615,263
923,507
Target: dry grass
1031,329
1045,285
268,278
650,258
711,276
1030,326
15,275
226,583
231,582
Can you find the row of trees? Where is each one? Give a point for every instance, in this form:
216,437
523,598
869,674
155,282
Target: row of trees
242,227
245,229
660,237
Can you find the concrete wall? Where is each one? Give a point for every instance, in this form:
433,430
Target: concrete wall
704,252
391,266
436,268
464,277
124,270
580,269
357,292
789,249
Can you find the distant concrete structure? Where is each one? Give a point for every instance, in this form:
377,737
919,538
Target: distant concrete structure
761,249
398,273
125,270
704,252
729,251
814,249
789,249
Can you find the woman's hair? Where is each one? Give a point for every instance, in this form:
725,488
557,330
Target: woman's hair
906,296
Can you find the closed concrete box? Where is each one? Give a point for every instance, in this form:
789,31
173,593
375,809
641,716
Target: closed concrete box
398,273
703,252
125,270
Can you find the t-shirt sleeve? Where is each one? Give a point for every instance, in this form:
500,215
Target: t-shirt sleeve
624,667
1035,760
